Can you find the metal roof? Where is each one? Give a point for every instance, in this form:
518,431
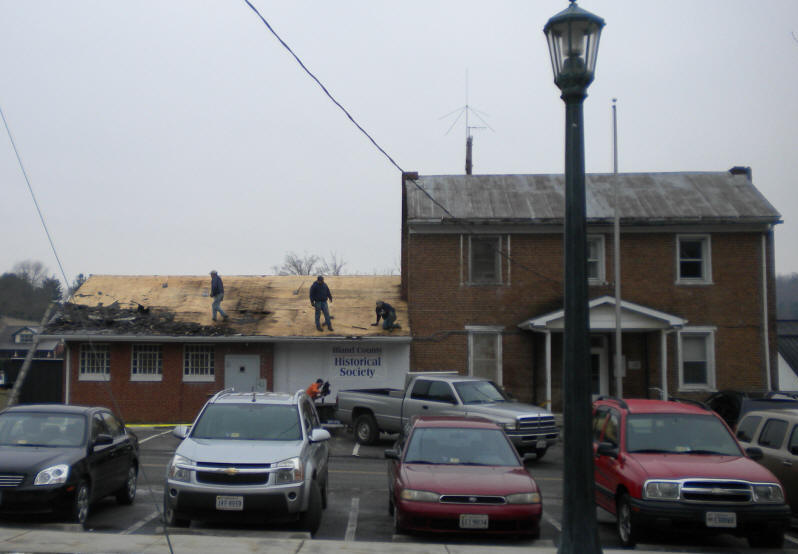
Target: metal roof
787,332
706,197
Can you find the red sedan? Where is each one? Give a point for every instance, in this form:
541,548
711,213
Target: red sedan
457,474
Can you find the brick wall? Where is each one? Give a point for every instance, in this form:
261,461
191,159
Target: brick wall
170,400
441,308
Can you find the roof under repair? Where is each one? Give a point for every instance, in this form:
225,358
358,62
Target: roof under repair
257,306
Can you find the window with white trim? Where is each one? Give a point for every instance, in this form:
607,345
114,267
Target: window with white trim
485,260
94,362
595,260
693,260
24,337
697,359
198,362
146,362
485,353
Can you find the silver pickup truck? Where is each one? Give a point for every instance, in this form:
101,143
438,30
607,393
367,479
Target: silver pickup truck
531,428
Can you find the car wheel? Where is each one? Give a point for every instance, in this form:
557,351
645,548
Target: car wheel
539,453
390,506
311,518
324,492
127,494
762,540
366,431
79,510
398,529
171,517
626,532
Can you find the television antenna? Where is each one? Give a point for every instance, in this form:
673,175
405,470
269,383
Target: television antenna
467,111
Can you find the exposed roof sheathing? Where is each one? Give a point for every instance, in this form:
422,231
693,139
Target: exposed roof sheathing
261,306
787,330
642,197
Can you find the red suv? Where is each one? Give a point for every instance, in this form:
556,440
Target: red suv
665,465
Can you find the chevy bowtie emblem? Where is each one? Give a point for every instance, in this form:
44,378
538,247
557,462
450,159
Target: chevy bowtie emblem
472,499
231,471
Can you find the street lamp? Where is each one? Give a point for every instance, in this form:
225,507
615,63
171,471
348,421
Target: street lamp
573,37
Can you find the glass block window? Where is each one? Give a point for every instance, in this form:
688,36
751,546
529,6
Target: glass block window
198,362
94,362
146,362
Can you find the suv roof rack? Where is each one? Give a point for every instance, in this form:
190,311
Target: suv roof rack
697,403
615,399
216,396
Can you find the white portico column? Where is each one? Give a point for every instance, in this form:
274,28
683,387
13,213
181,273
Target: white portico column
547,334
663,361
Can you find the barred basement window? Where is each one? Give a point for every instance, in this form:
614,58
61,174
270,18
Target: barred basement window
94,362
198,363
146,362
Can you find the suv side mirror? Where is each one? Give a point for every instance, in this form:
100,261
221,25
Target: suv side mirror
754,452
181,431
392,454
319,435
607,449
103,438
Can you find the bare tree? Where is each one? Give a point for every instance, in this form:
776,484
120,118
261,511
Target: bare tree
34,272
294,264
334,265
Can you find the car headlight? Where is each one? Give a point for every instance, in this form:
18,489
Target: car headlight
661,490
419,496
289,471
524,498
52,475
768,493
177,473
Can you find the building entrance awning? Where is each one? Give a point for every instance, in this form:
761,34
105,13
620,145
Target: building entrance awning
634,317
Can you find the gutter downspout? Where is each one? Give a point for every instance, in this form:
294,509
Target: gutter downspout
67,371
765,314
548,369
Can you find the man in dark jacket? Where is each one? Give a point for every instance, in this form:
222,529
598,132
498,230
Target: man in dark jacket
319,293
388,315
217,293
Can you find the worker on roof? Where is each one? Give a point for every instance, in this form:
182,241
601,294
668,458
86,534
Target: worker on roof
388,315
319,293
217,293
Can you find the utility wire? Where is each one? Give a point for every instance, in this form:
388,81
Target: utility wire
351,118
30,188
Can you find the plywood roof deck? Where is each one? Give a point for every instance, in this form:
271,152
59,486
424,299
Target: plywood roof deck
267,306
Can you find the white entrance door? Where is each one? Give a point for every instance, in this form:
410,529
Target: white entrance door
599,370
242,373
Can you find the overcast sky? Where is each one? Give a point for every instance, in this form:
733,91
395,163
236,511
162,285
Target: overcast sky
178,136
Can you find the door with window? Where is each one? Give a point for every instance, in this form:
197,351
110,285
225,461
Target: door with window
242,373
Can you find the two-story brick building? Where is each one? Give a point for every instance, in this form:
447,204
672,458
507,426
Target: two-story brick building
482,273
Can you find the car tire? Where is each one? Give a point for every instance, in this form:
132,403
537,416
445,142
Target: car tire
171,518
366,431
626,531
762,540
390,507
310,519
79,510
324,493
127,494
398,529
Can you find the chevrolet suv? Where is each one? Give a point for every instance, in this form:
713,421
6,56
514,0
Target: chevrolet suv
667,466
255,454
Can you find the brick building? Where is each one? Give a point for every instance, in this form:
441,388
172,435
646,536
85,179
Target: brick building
146,347
482,273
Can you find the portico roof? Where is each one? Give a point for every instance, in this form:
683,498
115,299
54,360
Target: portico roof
634,317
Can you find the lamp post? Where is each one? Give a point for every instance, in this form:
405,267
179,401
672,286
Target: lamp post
573,37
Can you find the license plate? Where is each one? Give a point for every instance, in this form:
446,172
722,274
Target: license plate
541,444
721,519
473,521
232,503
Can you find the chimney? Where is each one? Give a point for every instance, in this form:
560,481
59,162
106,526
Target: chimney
742,170
469,144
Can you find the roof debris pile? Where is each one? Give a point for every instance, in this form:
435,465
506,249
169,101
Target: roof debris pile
113,320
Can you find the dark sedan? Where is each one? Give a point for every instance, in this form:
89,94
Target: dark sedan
457,474
59,459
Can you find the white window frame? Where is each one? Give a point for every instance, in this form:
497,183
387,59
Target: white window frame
204,374
706,259
601,263
142,355
497,259
708,333
24,337
482,330
92,356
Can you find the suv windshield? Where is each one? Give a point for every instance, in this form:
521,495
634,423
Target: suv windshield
679,434
256,422
460,447
479,392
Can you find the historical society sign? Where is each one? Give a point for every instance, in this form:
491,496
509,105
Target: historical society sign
358,362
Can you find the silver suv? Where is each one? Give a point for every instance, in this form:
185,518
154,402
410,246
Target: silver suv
258,454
